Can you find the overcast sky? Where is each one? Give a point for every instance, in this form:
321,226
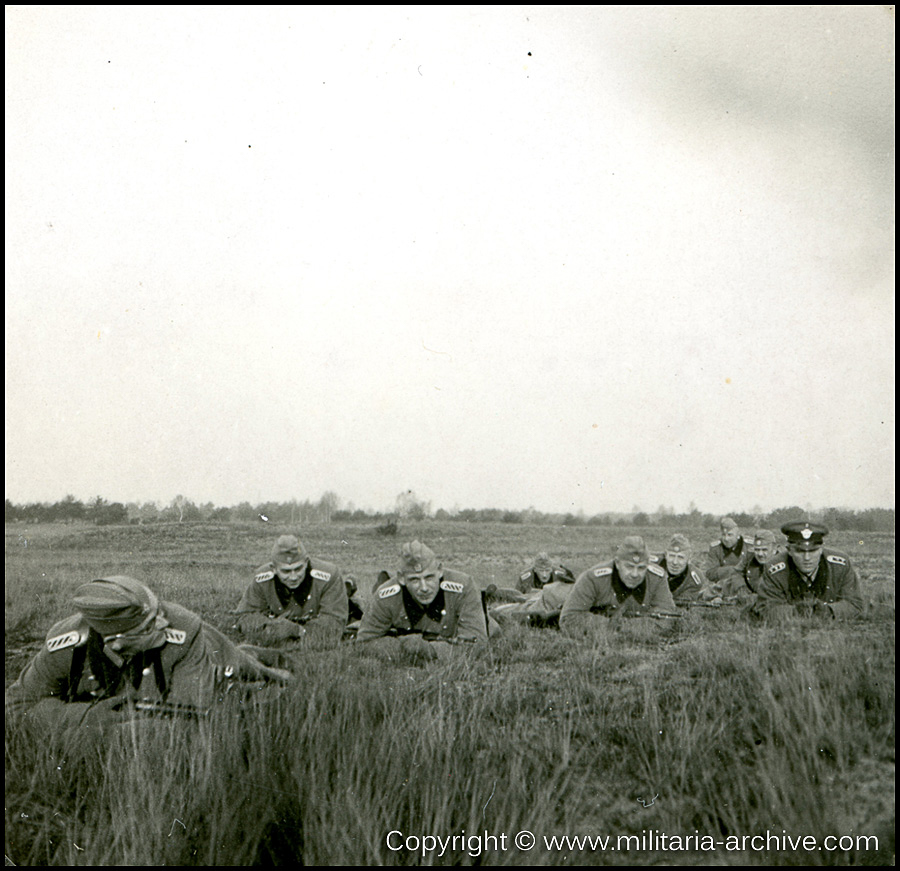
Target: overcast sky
580,258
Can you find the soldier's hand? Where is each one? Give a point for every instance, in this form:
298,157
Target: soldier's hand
417,648
104,714
282,630
806,609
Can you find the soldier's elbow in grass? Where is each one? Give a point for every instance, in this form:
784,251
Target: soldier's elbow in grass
323,632
583,625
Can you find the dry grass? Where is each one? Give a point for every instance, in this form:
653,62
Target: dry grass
710,726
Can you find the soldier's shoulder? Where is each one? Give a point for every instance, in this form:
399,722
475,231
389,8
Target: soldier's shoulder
383,577
525,576
387,590
601,570
714,544
453,581
183,624
654,569
776,565
70,632
322,570
263,573
836,557
563,574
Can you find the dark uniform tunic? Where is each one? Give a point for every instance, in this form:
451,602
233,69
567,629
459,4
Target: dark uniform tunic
685,586
720,560
455,613
600,590
192,667
529,580
783,590
319,602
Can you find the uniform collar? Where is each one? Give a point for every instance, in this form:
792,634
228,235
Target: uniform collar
434,610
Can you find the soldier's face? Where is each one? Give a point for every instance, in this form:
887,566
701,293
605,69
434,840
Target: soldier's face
805,560
676,561
630,573
763,551
129,644
423,586
543,575
291,574
730,536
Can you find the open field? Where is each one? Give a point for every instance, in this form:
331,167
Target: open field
710,728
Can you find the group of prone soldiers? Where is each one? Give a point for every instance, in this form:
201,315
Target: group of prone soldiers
125,648
771,582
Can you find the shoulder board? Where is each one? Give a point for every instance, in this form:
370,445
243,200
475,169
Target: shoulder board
715,543
452,587
652,567
696,577
262,577
525,576
837,560
61,642
602,572
175,636
390,590
654,558
319,575
776,567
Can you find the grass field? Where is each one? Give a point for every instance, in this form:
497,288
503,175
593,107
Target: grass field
710,728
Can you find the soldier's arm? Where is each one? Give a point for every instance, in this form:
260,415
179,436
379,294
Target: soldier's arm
713,568
661,597
565,574
328,625
523,582
253,609
254,618
774,601
704,588
576,618
848,600
377,620
35,699
41,685
211,662
471,625
551,600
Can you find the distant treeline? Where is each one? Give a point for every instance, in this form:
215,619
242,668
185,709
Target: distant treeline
328,509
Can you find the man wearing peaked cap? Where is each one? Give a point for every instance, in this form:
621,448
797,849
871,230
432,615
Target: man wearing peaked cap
810,580
629,585
294,596
724,553
125,645
686,581
428,606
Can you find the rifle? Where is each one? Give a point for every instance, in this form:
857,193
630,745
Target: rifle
724,602
161,708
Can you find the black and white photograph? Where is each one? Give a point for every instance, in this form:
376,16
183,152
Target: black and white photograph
449,435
